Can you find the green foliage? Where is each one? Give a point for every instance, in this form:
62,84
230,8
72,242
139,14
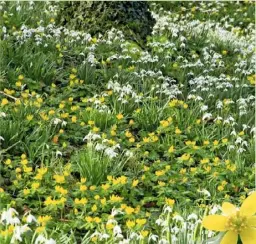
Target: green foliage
95,165
133,18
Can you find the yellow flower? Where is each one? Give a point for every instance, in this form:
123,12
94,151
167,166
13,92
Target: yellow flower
130,224
119,116
171,149
18,84
129,210
235,222
89,219
177,131
135,183
59,178
170,202
83,188
40,229
8,162
4,102
109,226
26,191
30,117
97,220
144,233
35,185
94,208
20,77
141,221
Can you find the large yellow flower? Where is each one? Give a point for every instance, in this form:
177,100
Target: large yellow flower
235,222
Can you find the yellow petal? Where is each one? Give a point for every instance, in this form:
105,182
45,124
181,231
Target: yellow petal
249,205
228,208
252,221
215,222
229,238
248,236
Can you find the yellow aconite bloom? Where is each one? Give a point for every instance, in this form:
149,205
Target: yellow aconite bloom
235,222
119,116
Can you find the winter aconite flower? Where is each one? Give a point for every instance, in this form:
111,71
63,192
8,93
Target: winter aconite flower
236,222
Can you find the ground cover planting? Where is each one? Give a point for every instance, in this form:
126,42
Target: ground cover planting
109,137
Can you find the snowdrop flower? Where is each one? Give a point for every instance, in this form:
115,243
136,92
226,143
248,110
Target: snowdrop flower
110,153
207,116
2,114
178,218
231,147
215,209
57,121
1,138
168,209
7,216
241,150
114,212
58,153
159,222
205,192
175,230
91,137
163,241
64,123
104,236
18,231
192,216
99,147
152,237
30,218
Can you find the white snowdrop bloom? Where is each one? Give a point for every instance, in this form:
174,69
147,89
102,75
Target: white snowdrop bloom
238,140
205,192
215,209
241,150
9,217
129,153
178,218
163,241
99,147
125,241
168,209
50,241
40,239
253,130
2,114
64,123
207,116
134,236
110,152
58,153
174,238
192,216
119,236
115,211
91,137
203,108
152,237
104,236
175,230
219,104
30,218
160,222
1,138
244,143
18,231
231,147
